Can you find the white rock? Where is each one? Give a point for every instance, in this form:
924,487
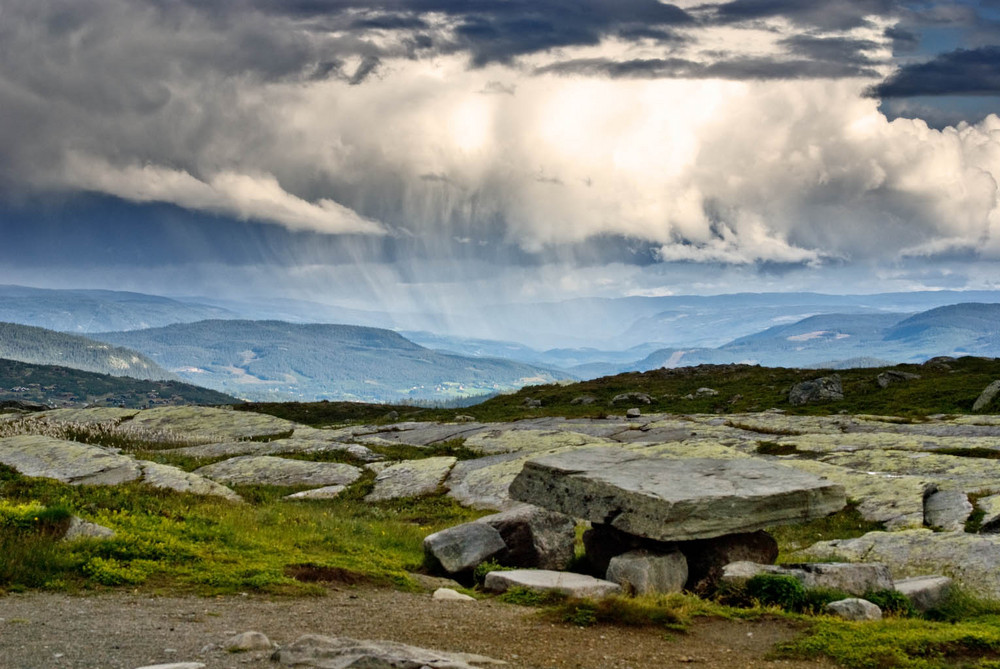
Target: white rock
645,572
925,592
84,529
543,580
854,609
447,594
247,641
326,492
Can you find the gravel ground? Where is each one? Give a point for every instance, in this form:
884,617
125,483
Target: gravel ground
129,630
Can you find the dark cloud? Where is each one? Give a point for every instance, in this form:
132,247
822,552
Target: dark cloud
826,15
960,72
832,49
734,68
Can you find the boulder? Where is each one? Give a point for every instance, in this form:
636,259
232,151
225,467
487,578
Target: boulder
632,398
887,378
854,609
534,537
925,592
602,543
247,641
706,392
973,560
450,595
410,478
634,412
642,572
174,478
531,403
457,550
543,580
986,397
323,652
269,470
583,399
706,558
824,389
856,579
67,461
207,424
677,499
946,509
84,529
990,506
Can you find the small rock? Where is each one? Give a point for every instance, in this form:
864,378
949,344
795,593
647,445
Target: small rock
447,594
392,415
83,529
633,413
946,509
824,389
706,392
854,609
410,478
640,398
534,537
326,492
323,652
247,641
464,418
990,506
459,549
583,399
925,592
886,379
543,580
531,403
641,572
987,396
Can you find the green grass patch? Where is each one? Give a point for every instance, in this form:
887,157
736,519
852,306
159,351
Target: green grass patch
848,523
974,452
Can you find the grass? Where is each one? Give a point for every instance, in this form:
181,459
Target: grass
190,543
848,523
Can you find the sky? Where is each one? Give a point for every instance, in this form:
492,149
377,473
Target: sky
436,154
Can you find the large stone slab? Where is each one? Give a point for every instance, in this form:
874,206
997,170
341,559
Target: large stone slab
459,549
207,424
323,652
173,478
674,499
410,478
269,470
543,580
67,461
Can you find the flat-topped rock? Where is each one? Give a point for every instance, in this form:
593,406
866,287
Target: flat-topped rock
410,478
67,461
269,470
207,424
674,499
543,580
323,652
174,478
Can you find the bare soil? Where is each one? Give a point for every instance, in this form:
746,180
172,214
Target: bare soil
129,630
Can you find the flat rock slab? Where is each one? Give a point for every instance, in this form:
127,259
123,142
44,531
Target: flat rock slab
88,416
67,461
324,652
674,499
174,478
973,560
410,478
269,470
543,580
208,424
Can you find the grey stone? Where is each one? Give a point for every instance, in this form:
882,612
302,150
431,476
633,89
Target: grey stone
323,652
642,572
247,641
638,398
674,499
856,579
583,399
174,478
633,413
450,595
483,483
706,558
854,609
84,529
973,560
207,424
534,537
543,580
419,434
946,509
987,396
887,378
706,392
269,470
990,506
175,665
464,418
531,403
292,445
326,492
824,389
410,478
925,592
67,461
459,549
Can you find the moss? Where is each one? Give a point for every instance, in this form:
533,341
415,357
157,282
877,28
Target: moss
774,448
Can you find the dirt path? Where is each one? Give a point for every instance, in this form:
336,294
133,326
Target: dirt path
125,631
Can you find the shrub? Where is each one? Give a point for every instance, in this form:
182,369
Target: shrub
785,592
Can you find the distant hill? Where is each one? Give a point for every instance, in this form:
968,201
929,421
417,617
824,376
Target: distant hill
97,310
274,360
45,347
53,385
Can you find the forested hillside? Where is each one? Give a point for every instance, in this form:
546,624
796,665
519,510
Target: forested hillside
51,385
274,360
45,347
